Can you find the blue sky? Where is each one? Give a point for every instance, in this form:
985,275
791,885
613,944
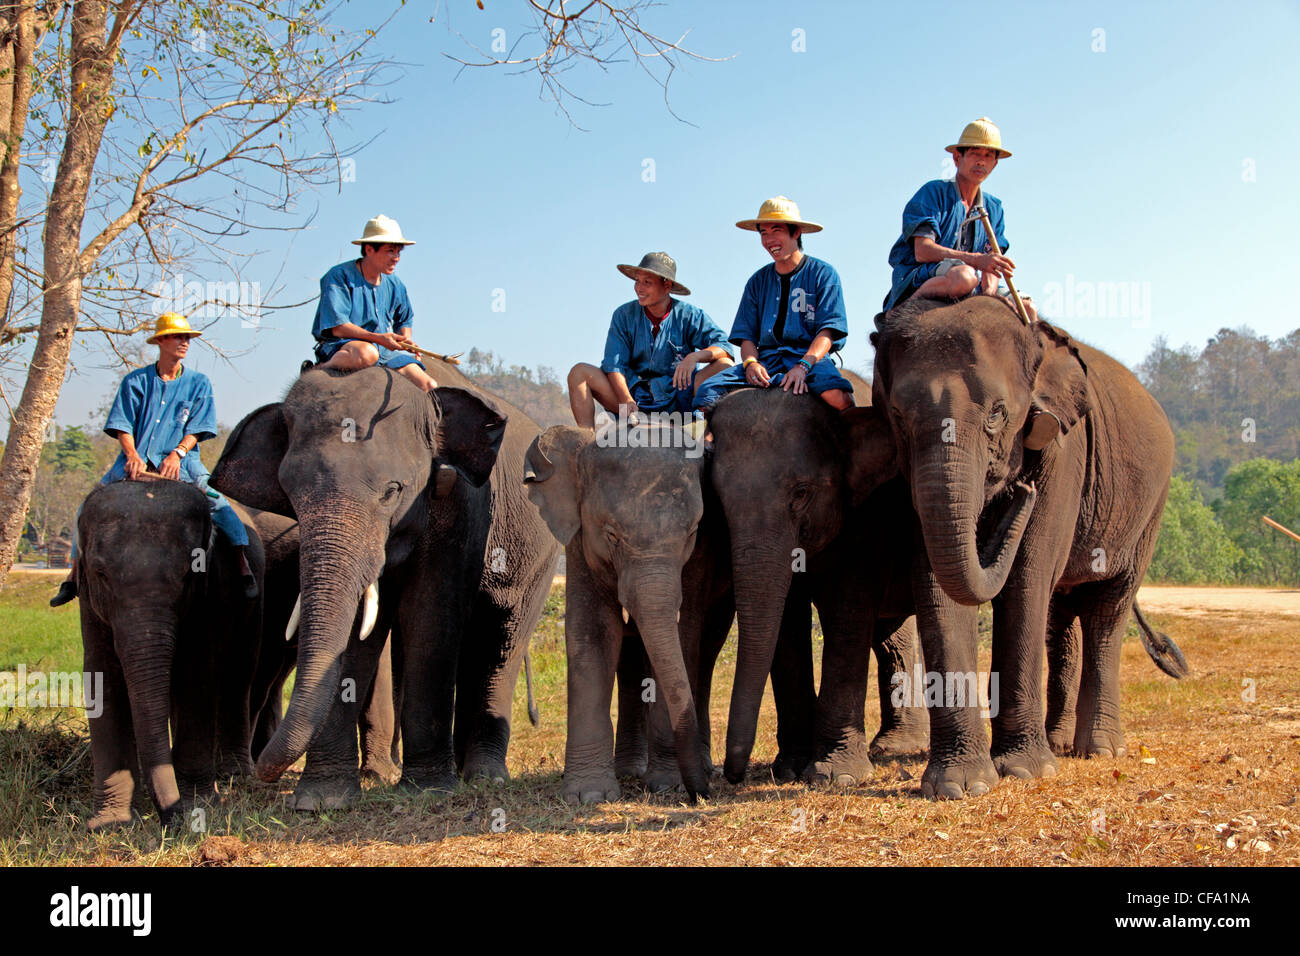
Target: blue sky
1148,177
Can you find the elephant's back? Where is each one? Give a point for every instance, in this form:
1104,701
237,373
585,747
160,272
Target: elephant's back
147,500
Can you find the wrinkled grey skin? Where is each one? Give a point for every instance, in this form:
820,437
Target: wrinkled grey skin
637,542
389,483
1030,456
799,484
165,620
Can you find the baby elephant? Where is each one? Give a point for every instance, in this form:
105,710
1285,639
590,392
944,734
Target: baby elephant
629,511
164,619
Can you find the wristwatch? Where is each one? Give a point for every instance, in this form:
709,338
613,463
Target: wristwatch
180,451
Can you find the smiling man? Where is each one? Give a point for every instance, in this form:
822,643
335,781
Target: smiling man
943,251
653,350
791,317
364,317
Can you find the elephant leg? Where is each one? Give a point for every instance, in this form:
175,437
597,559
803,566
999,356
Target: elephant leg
593,630
1020,747
112,735
428,661
1064,661
235,647
1098,730
631,742
485,688
194,713
905,728
959,754
271,712
378,724
841,756
717,626
793,689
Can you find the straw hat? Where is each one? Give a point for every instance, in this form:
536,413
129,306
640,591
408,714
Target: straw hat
382,230
779,209
660,264
980,133
169,323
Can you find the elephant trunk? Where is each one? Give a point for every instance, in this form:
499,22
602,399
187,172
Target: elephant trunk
337,563
762,571
654,603
948,490
147,669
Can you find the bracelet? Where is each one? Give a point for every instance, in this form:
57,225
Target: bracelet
745,364
807,365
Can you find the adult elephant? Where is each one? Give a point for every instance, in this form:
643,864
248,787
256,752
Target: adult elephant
1038,467
165,620
421,495
641,545
800,485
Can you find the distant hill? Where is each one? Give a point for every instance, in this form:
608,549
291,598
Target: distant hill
539,393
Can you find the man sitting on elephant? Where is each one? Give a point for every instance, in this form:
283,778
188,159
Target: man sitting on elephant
936,254
654,346
791,317
364,317
160,414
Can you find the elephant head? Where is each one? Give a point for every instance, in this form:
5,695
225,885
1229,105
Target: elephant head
787,469
366,462
631,514
975,400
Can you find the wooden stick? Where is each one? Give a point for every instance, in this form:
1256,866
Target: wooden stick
993,241
1285,530
449,359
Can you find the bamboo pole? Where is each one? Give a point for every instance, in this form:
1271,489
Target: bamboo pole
997,250
1285,530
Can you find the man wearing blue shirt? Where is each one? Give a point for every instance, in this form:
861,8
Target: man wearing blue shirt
364,317
791,317
159,415
943,251
652,351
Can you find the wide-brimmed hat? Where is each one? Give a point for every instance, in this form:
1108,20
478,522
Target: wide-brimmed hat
170,323
980,133
382,230
782,210
660,264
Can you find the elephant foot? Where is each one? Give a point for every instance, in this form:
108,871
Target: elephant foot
959,776
1027,763
662,779
111,818
483,767
901,741
1061,741
789,765
427,781
381,770
1100,743
235,768
845,766
592,789
630,765
328,793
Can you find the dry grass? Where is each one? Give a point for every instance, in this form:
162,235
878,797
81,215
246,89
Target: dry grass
1211,779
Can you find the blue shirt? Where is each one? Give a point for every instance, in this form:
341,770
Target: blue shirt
938,208
159,414
816,304
346,296
632,349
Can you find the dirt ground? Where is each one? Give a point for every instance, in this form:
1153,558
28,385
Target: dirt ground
1193,602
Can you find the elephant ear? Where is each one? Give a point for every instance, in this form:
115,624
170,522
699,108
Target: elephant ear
1060,393
249,467
872,457
551,478
468,438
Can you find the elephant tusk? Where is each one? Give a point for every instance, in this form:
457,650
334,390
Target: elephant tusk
292,627
625,619
370,610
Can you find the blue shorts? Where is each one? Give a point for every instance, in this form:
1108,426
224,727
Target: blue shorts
824,377
679,400
387,357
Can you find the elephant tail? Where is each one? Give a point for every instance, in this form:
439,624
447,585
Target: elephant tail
534,717
1161,648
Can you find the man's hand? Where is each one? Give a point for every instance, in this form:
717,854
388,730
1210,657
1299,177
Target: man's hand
684,374
135,467
795,380
391,340
171,466
756,374
992,262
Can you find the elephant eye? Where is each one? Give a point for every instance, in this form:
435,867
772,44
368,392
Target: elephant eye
611,535
996,418
393,489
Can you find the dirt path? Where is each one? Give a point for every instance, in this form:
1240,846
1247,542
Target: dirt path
1160,599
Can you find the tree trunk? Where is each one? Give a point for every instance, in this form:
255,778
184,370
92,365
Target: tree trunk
92,73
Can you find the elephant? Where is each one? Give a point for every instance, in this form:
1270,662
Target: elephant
165,620
1038,468
416,496
812,519
647,567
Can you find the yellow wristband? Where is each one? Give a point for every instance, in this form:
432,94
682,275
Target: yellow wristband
745,364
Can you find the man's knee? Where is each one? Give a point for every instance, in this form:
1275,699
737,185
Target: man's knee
710,370
355,355
583,373
962,279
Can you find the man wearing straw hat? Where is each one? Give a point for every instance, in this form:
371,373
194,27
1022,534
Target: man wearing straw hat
791,317
159,415
943,251
364,317
654,346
